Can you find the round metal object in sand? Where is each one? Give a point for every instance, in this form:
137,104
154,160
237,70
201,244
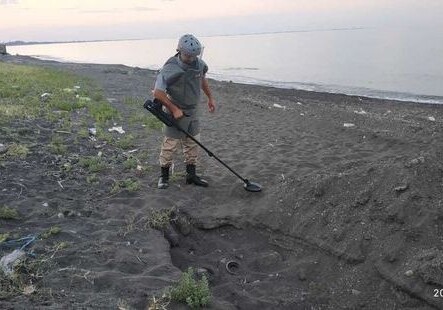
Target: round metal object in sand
232,267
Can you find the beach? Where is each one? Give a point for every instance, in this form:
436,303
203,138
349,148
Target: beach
350,215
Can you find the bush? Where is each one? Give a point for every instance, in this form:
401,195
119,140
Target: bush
193,292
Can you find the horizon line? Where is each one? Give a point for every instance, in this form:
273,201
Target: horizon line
21,42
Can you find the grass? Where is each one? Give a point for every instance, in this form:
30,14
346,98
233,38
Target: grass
177,176
159,219
54,230
7,213
146,119
92,179
159,303
22,87
129,184
93,163
27,274
130,163
126,142
4,237
104,135
17,151
195,293
102,111
133,101
57,145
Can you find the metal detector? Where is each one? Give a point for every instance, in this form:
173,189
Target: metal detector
155,107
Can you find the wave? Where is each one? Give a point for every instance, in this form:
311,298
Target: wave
333,89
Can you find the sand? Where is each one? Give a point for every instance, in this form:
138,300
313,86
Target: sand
350,215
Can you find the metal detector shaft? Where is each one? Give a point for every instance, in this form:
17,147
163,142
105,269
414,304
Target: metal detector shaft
209,152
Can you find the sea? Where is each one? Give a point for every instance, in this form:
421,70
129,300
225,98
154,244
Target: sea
391,63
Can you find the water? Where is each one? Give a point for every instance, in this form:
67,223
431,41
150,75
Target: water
392,63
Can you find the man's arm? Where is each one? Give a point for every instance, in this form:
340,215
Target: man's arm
164,99
207,91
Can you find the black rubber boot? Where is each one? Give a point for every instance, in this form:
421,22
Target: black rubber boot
163,181
192,178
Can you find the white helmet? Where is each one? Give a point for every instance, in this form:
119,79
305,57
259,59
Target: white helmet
189,45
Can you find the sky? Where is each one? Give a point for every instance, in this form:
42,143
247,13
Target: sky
67,20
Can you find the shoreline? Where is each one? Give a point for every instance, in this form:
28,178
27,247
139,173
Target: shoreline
304,87
350,215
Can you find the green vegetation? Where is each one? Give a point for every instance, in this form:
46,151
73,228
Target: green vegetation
17,151
160,303
92,179
4,237
7,213
27,274
126,142
32,92
102,111
54,230
159,219
145,119
129,184
57,145
104,135
130,163
93,163
133,101
177,176
195,293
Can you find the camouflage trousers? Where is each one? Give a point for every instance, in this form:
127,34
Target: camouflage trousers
170,145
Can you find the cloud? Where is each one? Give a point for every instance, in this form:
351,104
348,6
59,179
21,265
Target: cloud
8,2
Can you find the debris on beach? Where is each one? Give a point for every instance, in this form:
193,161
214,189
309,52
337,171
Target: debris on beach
92,131
431,118
45,97
275,105
348,125
118,129
8,261
415,161
29,290
130,151
409,273
99,146
68,90
3,149
361,112
401,188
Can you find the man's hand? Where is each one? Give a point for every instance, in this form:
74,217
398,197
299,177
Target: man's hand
164,99
177,113
211,105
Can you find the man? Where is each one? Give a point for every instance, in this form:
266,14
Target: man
178,87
